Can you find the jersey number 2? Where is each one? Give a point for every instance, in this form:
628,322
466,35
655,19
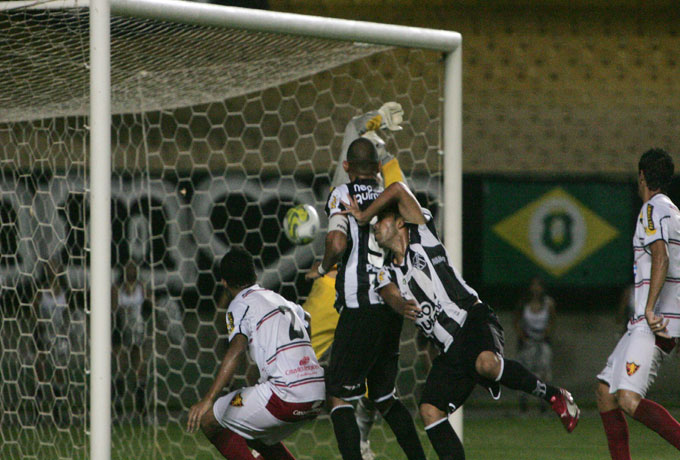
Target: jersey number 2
296,330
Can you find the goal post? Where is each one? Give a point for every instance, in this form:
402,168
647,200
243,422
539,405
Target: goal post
448,42
100,230
147,130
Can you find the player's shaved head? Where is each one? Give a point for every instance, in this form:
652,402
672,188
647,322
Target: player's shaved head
237,268
362,157
657,167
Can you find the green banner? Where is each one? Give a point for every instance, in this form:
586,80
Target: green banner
569,233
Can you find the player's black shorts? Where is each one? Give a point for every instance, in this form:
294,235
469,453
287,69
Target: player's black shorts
365,351
453,375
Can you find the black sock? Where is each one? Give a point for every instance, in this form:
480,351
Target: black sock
445,441
346,432
401,422
517,377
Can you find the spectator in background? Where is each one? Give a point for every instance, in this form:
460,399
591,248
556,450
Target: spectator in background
52,319
128,299
534,323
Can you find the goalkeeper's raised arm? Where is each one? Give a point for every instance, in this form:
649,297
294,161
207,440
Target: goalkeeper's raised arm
389,116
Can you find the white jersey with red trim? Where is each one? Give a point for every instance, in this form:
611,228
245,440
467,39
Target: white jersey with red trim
659,219
278,342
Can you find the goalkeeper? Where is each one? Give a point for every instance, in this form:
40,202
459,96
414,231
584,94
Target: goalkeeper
322,295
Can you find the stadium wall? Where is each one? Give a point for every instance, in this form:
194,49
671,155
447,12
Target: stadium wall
564,87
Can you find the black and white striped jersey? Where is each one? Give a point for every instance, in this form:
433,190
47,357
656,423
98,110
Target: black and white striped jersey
428,277
363,258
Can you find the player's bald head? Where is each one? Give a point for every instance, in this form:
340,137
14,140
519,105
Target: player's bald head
362,157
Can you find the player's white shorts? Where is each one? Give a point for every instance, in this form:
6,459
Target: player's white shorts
635,362
258,413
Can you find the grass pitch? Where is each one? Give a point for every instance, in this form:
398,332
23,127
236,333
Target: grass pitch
490,435
539,438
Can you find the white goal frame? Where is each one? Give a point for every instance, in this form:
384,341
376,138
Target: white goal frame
447,42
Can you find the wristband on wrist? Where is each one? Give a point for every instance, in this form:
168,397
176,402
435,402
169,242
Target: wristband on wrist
320,270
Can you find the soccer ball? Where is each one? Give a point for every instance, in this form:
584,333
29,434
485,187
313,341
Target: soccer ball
301,224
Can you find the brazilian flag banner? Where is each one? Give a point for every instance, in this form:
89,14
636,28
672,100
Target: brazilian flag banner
576,234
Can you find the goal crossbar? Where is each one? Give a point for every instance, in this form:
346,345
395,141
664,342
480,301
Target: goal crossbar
205,14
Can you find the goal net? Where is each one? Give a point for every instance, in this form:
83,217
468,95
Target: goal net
216,132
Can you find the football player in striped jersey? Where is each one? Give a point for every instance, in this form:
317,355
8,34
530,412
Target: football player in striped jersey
322,298
365,352
419,282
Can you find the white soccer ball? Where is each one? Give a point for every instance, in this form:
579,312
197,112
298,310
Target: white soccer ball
301,224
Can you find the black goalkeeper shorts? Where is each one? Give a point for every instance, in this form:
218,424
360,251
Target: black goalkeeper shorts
453,375
365,352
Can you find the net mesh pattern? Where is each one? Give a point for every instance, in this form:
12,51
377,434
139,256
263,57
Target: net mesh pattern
199,164
149,57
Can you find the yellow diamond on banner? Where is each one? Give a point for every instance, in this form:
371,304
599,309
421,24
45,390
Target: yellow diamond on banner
556,231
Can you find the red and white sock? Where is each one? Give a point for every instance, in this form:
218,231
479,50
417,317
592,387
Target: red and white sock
232,445
657,418
616,429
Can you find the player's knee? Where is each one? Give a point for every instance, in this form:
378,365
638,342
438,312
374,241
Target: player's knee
488,365
628,401
605,400
430,414
602,392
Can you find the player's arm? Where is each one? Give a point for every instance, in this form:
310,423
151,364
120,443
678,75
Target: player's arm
659,253
398,193
232,360
336,243
392,297
390,116
391,171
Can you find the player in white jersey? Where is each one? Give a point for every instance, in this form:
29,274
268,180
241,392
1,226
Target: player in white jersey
290,391
654,329
420,283
129,331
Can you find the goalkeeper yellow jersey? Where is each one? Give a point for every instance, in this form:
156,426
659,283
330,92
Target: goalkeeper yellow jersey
319,305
